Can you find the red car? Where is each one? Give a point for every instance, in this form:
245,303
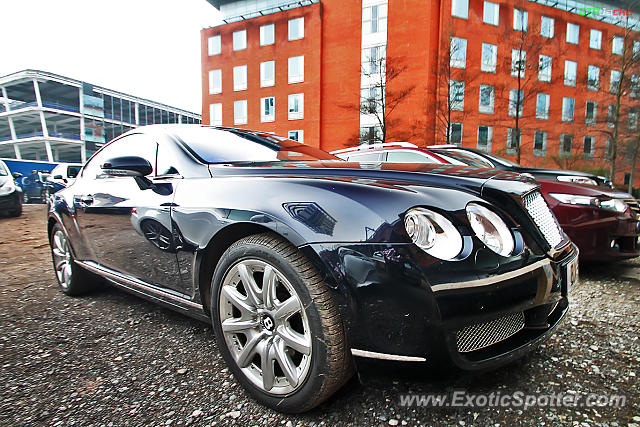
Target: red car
603,223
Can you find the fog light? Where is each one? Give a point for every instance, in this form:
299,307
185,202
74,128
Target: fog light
614,244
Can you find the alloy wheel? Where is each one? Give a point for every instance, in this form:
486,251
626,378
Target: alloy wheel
265,326
62,259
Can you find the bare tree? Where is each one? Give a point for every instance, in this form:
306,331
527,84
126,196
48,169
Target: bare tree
532,49
452,81
379,97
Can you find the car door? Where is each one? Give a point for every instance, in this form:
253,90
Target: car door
128,227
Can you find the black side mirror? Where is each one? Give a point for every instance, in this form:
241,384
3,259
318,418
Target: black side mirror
127,166
16,175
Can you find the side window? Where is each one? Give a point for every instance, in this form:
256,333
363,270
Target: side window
135,144
166,162
408,157
364,157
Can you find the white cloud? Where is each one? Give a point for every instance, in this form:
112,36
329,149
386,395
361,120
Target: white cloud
148,48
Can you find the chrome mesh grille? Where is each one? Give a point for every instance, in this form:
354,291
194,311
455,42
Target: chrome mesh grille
634,205
542,216
480,335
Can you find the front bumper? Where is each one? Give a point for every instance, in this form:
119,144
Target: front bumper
10,202
605,237
399,302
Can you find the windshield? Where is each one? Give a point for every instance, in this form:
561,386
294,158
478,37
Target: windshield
3,170
234,146
501,160
458,156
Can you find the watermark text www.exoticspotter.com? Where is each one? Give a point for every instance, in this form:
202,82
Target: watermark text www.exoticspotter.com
518,399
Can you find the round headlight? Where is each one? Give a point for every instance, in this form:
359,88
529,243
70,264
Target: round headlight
433,233
490,229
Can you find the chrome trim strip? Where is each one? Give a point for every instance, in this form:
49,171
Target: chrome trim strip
383,356
545,263
137,285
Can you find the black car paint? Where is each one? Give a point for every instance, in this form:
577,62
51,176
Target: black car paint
382,282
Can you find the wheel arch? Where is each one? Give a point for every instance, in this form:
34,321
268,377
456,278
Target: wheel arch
207,258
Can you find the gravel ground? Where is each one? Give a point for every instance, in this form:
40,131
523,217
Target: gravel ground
113,359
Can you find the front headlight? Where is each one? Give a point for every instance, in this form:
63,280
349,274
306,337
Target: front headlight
490,229
7,188
577,179
594,202
433,233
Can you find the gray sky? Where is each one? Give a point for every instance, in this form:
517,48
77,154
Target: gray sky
148,48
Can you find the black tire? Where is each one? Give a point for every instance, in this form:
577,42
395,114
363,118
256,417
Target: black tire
78,281
17,211
331,364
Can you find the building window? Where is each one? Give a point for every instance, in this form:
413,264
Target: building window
633,119
215,47
546,27
240,112
568,107
458,52
373,60
267,73
297,135
215,81
296,69
491,13
513,142
516,98
518,62
608,149
614,81
455,133
456,95
570,73
215,113
296,106
544,68
566,141
485,136
296,28
240,40
636,49
543,101
240,77
460,8
588,147
370,134
374,19
595,39
369,100
617,45
591,113
486,99
611,115
573,33
540,144
520,18
489,58
267,109
267,34
593,78
634,88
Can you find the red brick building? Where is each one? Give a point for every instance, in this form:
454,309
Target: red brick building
303,69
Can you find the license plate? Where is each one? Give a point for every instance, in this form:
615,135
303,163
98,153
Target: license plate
572,275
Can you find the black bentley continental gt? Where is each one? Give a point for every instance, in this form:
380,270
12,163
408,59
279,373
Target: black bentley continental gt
301,261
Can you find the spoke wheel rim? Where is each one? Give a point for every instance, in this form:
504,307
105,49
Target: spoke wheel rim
61,259
265,326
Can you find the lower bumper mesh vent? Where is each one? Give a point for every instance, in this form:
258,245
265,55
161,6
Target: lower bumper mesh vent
480,335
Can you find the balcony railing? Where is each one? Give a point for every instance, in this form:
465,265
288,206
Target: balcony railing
266,11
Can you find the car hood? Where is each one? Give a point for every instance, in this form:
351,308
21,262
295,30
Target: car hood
550,186
465,178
